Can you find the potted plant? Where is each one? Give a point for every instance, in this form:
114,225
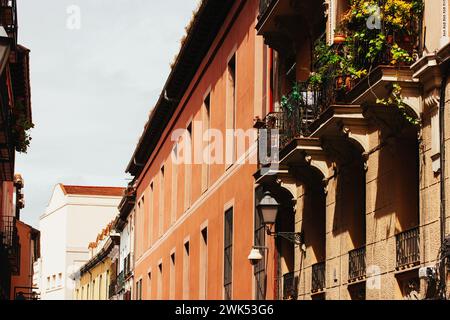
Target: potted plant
339,36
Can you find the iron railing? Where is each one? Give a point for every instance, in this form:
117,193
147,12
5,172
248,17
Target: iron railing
9,240
128,265
26,293
289,286
357,264
8,231
120,282
408,248
318,277
112,289
300,109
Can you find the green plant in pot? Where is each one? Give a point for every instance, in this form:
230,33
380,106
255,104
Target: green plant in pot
21,127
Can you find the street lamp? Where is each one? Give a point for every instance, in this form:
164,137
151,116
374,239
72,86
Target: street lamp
268,209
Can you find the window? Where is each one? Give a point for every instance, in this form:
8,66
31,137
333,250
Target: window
100,283
140,233
186,270
188,170
82,293
172,277
53,281
160,281
150,211
48,283
139,290
107,285
231,110
228,254
435,140
145,224
206,128
60,280
161,202
173,207
260,241
87,292
203,263
93,290
149,284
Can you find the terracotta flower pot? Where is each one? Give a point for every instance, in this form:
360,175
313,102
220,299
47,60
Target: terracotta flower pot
339,82
339,38
390,39
348,83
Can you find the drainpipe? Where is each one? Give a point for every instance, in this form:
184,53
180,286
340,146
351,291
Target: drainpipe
442,270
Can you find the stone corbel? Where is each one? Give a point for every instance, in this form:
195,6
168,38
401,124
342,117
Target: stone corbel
326,180
360,137
432,100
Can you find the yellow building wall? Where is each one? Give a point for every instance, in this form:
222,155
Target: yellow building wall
94,285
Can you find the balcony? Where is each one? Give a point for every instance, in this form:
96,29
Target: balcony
281,21
9,239
113,289
128,266
120,282
318,277
408,249
357,264
289,286
26,293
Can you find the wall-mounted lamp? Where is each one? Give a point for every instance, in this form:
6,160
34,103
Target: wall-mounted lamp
268,208
255,255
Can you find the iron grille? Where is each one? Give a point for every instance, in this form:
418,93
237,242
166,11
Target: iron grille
408,248
318,277
289,286
357,264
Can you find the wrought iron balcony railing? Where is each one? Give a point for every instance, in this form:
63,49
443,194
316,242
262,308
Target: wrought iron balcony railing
120,282
26,293
318,277
357,264
112,289
8,231
289,286
408,248
299,110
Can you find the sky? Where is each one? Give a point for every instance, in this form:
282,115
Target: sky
97,69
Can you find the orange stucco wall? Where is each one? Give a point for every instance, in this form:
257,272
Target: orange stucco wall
233,186
25,277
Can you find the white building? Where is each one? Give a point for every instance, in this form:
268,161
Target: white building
124,224
73,217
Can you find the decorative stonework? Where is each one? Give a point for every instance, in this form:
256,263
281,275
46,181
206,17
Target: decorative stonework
432,99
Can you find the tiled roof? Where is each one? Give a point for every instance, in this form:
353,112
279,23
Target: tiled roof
93,191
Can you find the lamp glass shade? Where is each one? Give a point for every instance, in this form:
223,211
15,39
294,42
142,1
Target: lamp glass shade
255,255
268,208
269,214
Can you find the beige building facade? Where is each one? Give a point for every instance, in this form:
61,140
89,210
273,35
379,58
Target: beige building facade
360,169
